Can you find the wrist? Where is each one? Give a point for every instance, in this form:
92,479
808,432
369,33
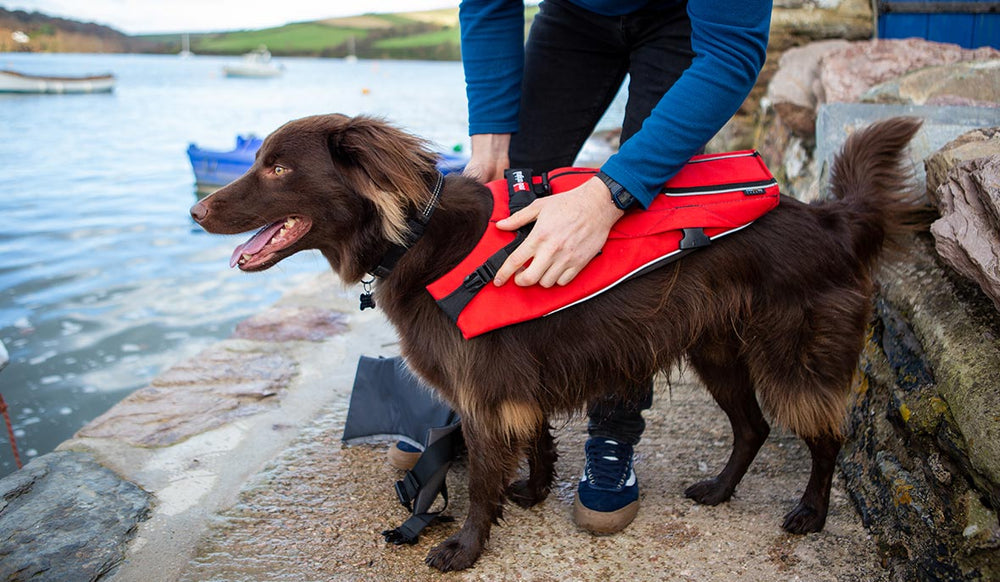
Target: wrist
493,145
619,195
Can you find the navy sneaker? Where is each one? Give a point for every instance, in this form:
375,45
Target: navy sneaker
403,455
607,498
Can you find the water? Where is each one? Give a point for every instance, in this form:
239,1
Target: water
104,279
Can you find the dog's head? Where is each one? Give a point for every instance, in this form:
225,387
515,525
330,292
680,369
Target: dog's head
343,185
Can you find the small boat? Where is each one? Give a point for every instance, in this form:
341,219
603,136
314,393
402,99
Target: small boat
215,169
351,56
14,82
255,64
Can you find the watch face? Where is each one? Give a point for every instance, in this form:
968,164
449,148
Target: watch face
621,197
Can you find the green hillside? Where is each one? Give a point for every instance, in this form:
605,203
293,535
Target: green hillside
432,34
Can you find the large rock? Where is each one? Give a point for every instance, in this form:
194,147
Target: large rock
967,236
799,22
65,517
847,73
792,90
922,459
225,382
976,84
981,142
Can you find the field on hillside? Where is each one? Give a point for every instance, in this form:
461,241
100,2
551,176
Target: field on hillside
432,34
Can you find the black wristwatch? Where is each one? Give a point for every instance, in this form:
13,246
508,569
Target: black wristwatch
619,195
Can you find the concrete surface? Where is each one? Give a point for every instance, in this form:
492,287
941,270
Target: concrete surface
276,496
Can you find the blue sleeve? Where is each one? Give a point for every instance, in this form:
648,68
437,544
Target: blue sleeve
729,39
493,57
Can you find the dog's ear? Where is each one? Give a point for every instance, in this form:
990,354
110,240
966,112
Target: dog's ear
386,165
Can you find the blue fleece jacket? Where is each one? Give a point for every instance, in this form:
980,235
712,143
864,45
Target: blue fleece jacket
728,37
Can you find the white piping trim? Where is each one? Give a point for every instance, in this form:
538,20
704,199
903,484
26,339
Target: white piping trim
722,191
724,157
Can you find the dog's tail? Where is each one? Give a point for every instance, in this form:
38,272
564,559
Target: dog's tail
873,177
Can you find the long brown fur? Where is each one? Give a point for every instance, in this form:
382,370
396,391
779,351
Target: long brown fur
772,319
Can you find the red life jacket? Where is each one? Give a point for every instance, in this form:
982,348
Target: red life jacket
712,195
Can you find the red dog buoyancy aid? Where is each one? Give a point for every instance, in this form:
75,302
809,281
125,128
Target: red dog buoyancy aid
712,195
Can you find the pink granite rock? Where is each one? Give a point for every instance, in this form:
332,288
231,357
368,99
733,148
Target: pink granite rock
792,90
847,73
975,84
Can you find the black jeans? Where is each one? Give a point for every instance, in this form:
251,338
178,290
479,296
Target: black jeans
575,63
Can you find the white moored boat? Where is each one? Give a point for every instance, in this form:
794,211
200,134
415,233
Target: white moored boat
14,82
256,64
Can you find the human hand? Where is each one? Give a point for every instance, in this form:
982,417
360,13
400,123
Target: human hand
569,231
489,157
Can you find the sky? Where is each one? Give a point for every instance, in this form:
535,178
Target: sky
150,16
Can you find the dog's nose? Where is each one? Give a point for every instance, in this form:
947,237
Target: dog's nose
199,211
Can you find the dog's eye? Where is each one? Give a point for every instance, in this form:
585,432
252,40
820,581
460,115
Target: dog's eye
279,170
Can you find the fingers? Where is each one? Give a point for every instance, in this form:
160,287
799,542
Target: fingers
569,231
525,252
514,264
522,217
544,258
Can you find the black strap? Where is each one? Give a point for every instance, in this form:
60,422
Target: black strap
421,485
455,302
522,189
396,251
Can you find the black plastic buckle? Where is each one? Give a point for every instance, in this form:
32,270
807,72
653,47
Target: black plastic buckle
542,188
478,279
694,238
407,489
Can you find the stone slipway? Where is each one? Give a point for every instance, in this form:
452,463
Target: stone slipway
230,467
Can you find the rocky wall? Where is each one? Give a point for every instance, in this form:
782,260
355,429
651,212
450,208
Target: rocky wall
922,461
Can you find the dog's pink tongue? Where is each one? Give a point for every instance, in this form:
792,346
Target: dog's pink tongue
256,243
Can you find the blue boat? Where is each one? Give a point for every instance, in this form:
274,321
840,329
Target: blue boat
215,169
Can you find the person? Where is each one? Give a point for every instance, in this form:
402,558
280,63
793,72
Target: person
689,65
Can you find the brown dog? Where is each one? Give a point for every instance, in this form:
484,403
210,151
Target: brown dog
775,314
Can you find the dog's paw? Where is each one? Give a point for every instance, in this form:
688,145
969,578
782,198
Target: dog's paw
452,554
804,519
709,492
525,495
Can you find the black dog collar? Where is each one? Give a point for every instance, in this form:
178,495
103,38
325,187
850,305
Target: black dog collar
417,225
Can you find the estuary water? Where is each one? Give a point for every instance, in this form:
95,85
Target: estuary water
104,279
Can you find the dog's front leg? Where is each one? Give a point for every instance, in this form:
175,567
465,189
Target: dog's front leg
492,462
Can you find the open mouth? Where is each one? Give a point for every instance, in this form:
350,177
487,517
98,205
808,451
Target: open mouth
262,247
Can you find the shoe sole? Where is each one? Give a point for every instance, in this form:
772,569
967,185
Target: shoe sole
604,522
402,460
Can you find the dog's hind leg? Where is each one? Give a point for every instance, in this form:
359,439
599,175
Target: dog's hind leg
542,455
810,514
728,380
